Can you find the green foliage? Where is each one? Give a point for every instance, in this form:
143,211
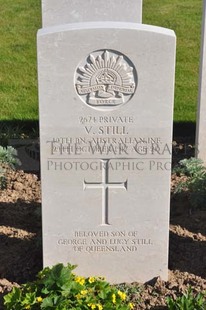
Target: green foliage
191,167
195,182
8,155
133,291
187,301
60,289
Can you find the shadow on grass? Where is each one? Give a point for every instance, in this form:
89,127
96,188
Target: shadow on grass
185,130
18,129
14,127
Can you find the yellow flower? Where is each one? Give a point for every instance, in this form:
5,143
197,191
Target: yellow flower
99,306
92,306
91,279
39,299
114,298
122,295
131,305
80,280
78,296
28,307
84,292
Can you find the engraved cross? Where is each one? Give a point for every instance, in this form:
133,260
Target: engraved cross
105,185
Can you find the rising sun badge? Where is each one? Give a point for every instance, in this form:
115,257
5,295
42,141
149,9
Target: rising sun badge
106,79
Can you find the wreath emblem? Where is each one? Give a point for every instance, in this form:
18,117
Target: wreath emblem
107,79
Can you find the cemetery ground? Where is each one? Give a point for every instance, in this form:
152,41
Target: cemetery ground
20,201
21,248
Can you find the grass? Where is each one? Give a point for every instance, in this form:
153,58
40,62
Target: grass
184,17
20,20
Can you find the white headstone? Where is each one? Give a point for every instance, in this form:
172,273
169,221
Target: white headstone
201,116
57,12
106,112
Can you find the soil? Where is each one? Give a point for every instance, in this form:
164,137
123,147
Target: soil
21,249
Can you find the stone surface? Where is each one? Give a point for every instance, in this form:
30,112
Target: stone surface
106,130
57,12
201,116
